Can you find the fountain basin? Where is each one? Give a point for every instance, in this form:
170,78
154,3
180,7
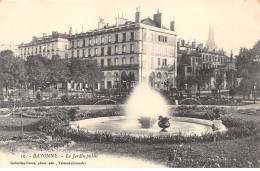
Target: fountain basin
121,124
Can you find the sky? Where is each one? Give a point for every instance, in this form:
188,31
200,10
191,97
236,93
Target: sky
236,22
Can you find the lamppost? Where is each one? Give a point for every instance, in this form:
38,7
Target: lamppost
254,92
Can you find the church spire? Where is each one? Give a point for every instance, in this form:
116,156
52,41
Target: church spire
211,45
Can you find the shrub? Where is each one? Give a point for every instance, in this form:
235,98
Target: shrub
72,113
65,99
232,92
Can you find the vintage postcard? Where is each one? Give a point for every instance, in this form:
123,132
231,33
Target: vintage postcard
129,84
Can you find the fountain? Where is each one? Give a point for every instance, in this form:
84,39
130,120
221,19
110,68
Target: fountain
143,109
145,105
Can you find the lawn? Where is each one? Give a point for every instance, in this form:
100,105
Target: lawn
240,152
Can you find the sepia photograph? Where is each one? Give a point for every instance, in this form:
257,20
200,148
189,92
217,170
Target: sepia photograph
129,84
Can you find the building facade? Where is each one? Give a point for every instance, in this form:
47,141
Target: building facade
129,52
47,45
194,59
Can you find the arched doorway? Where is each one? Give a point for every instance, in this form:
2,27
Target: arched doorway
124,80
116,79
151,79
158,80
131,79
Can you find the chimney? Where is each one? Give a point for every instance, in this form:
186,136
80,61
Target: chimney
193,44
158,19
172,25
44,35
120,20
101,23
138,15
70,31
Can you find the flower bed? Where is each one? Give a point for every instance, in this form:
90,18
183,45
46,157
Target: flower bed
42,112
5,113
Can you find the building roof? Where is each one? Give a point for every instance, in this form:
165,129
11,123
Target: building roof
150,22
46,38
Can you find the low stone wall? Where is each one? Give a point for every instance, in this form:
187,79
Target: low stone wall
217,123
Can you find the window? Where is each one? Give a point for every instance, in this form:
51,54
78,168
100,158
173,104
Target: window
132,48
77,53
221,60
72,54
162,38
96,86
164,62
83,45
44,47
65,47
52,47
132,35
159,62
207,58
189,69
109,38
89,41
116,49
95,40
109,50
96,51
102,62
77,43
116,61
102,40
89,52
83,53
124,37
124,49
40,49
102,51
72,44
116,38
131,60
109,84
109,62
123,61
35,50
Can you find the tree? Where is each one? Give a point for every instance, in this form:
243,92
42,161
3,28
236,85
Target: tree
12,70
59,71
37,70
219,81
86,71
246,83
230,78
248,61
232,92
195,80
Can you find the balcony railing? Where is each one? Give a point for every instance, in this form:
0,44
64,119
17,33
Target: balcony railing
125,66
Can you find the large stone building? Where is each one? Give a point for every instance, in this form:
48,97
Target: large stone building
47,45
195,59
129,52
